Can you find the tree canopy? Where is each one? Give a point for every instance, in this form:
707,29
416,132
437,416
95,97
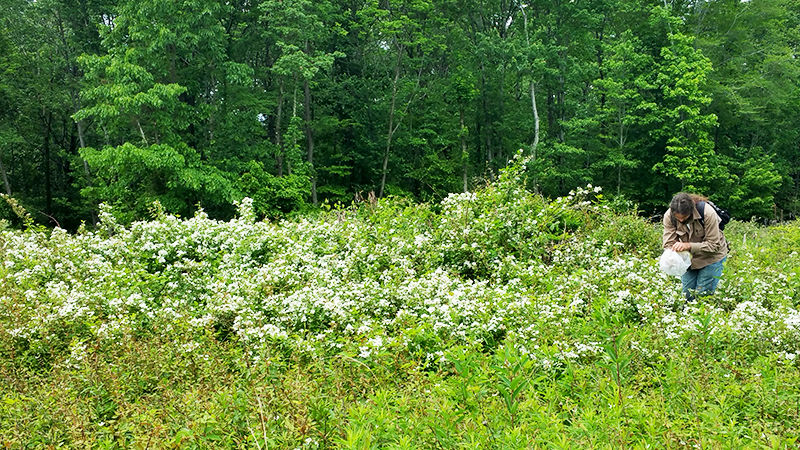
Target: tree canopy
294,103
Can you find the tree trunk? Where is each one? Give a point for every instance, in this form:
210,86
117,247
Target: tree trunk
533,103
600,65
310,138
5,177
535,145
464,153
488,129
47,120
621,145
501,103
391,128
82,145
490,154
278,138
76,105
551,112
86,170
561,105
141,131
291,156
310,141
535,118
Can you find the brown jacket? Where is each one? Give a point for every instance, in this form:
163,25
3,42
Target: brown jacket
708,242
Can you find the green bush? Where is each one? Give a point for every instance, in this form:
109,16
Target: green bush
274,196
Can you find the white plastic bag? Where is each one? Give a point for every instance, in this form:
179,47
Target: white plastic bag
674,263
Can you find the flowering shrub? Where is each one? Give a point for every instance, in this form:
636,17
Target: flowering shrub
548,281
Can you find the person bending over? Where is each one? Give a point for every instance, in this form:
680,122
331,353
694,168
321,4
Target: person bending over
686,230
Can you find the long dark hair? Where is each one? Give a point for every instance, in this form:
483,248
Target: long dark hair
683,203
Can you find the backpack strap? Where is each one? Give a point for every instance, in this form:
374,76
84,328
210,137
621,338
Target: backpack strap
701,206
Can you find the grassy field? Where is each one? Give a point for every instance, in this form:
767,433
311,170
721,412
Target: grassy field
496,319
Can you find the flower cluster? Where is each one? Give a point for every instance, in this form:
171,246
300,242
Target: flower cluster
489,267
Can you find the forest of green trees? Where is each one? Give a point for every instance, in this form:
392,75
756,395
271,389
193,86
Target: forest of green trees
199,103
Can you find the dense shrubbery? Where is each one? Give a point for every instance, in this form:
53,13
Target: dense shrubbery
496,319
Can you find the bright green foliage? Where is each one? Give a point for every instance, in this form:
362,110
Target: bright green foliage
626,103
755,90
124,98
690,155
274,196
293,24
512,381
134,177
754,181
297,27
408,98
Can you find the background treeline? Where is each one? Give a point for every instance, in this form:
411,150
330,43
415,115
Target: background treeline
297,102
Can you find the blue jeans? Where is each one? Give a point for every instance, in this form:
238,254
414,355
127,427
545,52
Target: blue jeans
702,281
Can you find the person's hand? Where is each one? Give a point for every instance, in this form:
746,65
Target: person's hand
681,246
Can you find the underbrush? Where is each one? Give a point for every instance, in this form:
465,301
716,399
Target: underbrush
497,319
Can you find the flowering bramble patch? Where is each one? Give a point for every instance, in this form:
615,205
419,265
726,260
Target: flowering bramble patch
511,303
491,266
